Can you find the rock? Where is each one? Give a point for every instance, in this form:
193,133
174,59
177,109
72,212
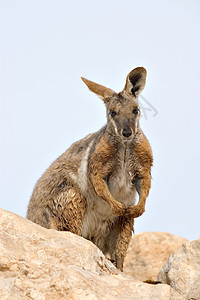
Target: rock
148,252
182,270
41,264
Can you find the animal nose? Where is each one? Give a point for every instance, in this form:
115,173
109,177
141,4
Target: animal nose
127,132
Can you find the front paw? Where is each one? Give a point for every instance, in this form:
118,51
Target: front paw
118,208
135,211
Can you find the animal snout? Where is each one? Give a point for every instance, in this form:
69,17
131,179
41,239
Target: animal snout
127,132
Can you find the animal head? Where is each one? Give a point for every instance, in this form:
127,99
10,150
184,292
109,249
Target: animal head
123,111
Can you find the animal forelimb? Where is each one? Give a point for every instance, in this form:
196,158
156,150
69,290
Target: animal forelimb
142,187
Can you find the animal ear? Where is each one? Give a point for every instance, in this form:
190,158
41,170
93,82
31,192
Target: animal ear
135,81
103,92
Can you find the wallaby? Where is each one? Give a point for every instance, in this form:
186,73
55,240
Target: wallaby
90,189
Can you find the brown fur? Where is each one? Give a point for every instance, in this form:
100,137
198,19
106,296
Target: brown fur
90,189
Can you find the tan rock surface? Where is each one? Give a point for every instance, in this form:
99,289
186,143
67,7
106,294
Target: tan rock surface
41,264
148,252
182,270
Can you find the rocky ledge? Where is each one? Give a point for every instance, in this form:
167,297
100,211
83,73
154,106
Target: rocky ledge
41,264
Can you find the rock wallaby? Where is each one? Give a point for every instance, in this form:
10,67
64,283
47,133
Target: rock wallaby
90,189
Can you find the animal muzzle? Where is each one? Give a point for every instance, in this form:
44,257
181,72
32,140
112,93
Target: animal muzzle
127,132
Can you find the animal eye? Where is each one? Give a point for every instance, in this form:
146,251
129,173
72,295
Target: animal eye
113,113
136,111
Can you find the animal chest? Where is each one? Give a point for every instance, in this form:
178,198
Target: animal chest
120,181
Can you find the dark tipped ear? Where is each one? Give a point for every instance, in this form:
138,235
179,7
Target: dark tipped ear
135,81
103,92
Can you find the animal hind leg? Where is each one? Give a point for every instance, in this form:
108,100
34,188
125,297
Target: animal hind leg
119,239
68,211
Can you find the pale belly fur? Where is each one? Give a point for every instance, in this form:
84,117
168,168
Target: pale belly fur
98,217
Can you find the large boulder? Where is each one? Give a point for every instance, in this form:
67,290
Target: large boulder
148,252
182,270
41,264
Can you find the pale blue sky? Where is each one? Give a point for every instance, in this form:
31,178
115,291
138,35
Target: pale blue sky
46,46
